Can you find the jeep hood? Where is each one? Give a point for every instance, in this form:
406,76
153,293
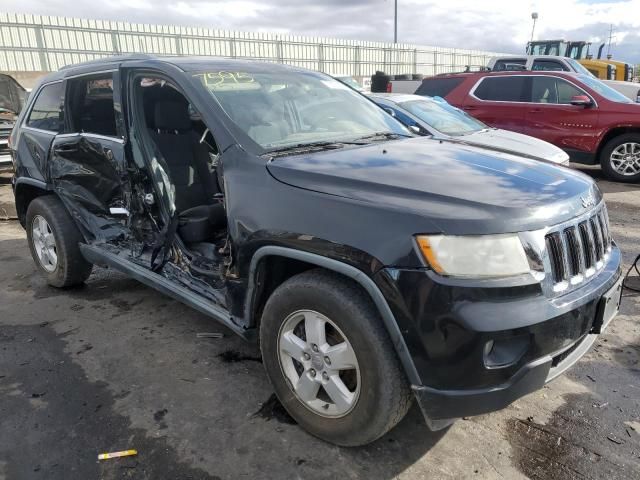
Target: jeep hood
459,188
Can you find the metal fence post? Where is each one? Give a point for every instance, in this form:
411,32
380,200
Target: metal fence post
42,49
115,41
232,47
320,58
356,61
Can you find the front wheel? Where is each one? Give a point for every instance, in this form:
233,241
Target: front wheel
330,360
620,158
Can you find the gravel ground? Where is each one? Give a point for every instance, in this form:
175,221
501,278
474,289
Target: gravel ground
114,365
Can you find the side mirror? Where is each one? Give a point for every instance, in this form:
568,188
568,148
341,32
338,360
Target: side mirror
581,101
389,111
415,129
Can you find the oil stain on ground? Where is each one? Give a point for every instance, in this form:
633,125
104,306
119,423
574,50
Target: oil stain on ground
55,422
273,409
574,444
231,356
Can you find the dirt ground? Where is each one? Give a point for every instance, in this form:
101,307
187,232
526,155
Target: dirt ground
114,365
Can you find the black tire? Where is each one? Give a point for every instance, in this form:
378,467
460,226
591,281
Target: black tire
384,397
71,267
605,158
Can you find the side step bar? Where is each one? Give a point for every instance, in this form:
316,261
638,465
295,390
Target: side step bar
99,256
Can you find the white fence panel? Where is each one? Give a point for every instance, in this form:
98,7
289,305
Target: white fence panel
41,43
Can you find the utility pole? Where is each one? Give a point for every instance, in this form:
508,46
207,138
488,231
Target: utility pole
534,17
611,37
395,21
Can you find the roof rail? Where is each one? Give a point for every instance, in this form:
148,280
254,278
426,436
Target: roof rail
110,59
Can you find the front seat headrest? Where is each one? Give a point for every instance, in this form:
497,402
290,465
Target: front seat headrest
172,116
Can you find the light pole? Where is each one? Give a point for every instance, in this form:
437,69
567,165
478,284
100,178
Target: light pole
534,17
395,21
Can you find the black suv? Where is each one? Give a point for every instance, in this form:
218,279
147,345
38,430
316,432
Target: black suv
372,267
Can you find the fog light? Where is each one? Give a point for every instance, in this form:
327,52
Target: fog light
502,353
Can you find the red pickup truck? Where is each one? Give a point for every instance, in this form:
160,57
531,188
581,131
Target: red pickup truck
589,120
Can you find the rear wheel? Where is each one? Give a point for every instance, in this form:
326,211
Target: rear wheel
620,158
53,240
330,360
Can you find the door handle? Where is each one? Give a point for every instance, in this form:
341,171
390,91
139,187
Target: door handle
536,110
469,107
65,149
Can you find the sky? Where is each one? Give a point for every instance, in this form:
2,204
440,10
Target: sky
495,25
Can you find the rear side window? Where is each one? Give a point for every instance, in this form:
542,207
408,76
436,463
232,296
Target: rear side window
438,87
509,64
502,89
46,113
91,105
548,66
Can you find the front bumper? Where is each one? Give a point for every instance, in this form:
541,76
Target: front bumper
445,404
446,326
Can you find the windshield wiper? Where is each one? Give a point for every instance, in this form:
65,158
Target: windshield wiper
322,145
384,136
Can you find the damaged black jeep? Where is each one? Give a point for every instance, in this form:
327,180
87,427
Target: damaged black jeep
373,268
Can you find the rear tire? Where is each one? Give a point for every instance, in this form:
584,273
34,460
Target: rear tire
54,243
379,394
620,158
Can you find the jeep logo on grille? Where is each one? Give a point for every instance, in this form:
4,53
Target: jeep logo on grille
588,200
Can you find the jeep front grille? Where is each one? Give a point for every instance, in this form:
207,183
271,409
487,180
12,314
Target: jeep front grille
578,250
4,137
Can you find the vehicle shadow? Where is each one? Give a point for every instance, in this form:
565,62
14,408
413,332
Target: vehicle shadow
125,333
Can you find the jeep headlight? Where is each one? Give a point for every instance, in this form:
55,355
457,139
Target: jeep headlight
474,256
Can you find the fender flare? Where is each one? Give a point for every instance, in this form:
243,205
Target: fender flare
27,182
359,277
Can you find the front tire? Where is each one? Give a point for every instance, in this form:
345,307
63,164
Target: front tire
330,359
620,158
54,243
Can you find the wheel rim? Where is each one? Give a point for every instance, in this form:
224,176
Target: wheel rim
625,159
44,243
320,364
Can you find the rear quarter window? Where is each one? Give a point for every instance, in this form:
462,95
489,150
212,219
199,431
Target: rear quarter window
507,64
438,87
548,66
502,89
46,113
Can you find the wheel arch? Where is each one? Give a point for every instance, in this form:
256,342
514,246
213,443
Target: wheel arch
613,133
297,261
26,190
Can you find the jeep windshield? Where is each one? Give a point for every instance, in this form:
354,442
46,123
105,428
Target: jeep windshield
443,117
288,111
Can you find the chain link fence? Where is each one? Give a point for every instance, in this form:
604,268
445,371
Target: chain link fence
33,43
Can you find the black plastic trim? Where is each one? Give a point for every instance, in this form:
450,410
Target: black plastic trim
353,273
